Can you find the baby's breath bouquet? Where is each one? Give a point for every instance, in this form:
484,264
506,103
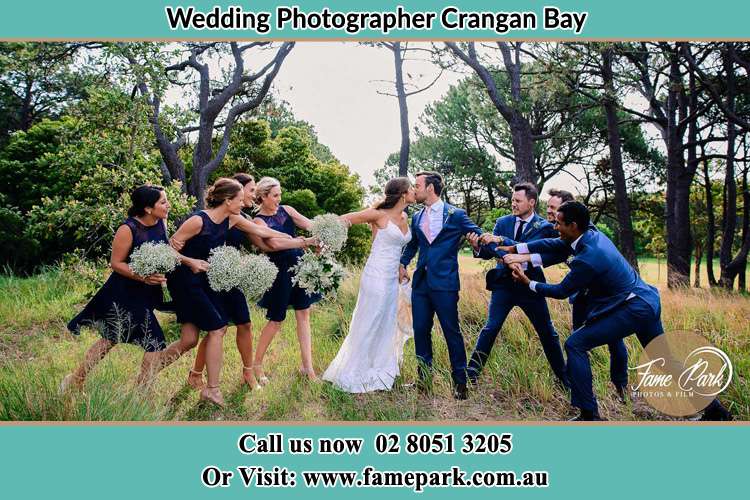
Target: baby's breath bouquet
258,274
318,274
224,268
330,231
153,258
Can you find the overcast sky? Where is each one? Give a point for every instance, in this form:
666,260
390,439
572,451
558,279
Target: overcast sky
334,86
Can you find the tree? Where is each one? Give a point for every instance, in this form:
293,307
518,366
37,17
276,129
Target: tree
220,101
404,88
38,80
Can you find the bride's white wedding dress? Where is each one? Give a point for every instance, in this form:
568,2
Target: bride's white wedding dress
370,356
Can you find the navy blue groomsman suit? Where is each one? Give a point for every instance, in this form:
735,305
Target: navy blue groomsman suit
507,294
435,286
619,304
618,353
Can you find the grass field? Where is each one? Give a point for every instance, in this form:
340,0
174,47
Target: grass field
36,351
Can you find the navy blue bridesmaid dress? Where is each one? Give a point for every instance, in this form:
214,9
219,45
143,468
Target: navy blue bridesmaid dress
194,301
283,294
123,308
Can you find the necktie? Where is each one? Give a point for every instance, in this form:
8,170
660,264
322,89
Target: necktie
425,224
519,231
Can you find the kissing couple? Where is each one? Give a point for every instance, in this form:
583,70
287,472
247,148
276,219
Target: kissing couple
370,355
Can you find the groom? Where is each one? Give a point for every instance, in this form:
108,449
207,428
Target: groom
439,230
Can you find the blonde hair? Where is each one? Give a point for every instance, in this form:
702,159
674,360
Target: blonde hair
223,189
264,186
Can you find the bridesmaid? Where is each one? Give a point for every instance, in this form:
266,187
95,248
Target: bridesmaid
123,309
240,239
283,294
197,306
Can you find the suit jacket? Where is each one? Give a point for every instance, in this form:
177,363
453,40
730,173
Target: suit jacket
599,268
537,228
437,264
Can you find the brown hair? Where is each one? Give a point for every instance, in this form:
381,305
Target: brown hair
562,194
394,190
433,179
243,178
264,186
223,189
529,189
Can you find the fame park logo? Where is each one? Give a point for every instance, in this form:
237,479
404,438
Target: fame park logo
679,373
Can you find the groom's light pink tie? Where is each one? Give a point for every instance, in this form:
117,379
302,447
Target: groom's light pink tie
425,224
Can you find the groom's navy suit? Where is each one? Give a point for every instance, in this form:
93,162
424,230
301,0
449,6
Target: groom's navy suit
506,294
435,286
618,303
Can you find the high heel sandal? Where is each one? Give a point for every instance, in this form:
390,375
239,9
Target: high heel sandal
257,386
192,383
207,394
261,379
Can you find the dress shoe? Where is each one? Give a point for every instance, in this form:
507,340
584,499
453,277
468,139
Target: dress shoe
622,393
588,416
460,392
715,412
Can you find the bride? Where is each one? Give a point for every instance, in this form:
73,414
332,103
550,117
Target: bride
369,358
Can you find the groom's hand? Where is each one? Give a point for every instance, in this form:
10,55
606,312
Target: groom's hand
486,238
403,274
473,239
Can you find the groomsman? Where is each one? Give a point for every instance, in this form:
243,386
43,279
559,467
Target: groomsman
619,302
618,353
523,225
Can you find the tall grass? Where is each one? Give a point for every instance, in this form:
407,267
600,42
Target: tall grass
517,384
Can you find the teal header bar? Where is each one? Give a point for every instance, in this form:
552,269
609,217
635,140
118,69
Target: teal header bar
599,461
369,19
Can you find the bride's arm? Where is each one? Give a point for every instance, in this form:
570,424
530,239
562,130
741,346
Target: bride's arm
366,216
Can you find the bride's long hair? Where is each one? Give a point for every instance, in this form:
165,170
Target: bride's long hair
394,190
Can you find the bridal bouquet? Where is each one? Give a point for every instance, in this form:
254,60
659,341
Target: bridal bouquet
318,274
153,258
330,231
258,274
224,269
230,268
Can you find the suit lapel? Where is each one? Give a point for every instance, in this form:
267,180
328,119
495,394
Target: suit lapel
529,230
419,224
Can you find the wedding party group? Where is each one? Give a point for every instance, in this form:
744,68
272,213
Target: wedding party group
609,299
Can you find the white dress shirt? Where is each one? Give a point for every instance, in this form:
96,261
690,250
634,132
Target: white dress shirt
435,213
536,259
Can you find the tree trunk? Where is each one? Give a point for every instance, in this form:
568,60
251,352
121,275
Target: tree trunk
711,229
742,276
730,184
403,158
697,265
523,149
622,201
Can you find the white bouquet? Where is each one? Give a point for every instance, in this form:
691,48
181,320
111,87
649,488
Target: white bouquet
224,269
318,273
330,231
258,274
153,258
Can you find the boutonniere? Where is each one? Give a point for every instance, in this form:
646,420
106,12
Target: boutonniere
536,225
569,260
451,211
